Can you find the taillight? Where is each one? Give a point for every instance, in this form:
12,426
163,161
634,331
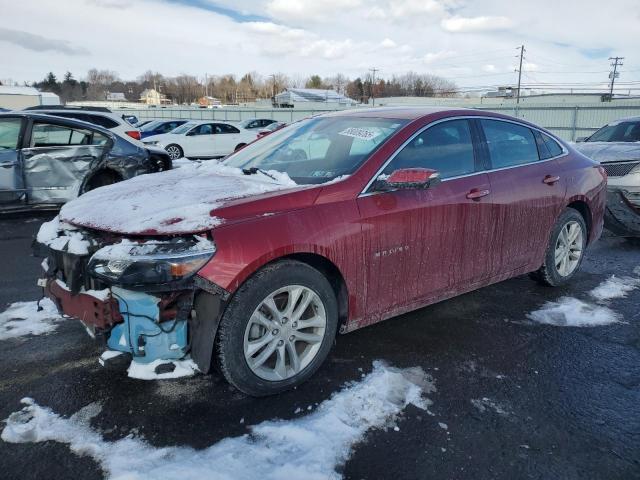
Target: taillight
134,134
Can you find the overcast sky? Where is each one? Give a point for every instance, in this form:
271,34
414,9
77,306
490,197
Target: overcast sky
473,43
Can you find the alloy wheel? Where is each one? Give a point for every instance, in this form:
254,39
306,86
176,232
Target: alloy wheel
285,333
568,249
174,152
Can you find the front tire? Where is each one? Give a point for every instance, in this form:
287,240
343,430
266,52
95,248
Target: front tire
278,329
565,251
175,151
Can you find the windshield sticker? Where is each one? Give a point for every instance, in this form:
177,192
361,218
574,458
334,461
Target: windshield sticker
361,133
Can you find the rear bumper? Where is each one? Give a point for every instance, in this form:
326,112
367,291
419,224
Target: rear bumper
622,215
95,312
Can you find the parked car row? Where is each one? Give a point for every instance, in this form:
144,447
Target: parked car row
331,224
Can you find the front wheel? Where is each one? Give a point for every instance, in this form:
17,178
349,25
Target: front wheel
565,250
278,329
174,151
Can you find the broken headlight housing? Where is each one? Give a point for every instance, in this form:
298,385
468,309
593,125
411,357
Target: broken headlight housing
150,263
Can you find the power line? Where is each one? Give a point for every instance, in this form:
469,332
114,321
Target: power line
617,62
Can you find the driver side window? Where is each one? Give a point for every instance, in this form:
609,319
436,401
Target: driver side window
446,147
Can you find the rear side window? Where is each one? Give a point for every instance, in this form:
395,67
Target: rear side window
446,147
50,135
509,144
554,148
225,128
9,133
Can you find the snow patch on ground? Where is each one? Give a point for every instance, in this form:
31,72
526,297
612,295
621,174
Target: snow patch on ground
614,287
147,371
571,312
23,318
309,447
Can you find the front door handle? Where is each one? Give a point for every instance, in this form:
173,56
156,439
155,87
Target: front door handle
551,179
477,194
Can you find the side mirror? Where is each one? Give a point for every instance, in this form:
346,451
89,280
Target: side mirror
581,139
409,178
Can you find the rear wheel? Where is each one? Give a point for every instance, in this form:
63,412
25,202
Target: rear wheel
565,250
278,329
174,151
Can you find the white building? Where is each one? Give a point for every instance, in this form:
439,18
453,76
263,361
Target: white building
17,98
312,98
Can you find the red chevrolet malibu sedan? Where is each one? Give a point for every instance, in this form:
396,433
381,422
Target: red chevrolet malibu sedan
328,225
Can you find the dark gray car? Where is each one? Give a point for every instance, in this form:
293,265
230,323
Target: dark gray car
46,161
617,147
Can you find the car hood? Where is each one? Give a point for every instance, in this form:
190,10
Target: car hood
184,200
160,137
609,151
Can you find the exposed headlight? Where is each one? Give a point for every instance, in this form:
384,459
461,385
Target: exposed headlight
129,263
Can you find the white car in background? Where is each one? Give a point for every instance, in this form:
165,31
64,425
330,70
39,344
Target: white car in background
100,116
202,139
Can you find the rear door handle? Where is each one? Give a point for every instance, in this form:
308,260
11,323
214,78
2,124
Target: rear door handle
477,194
551,179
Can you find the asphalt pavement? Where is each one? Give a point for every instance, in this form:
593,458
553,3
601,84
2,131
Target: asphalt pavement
514,400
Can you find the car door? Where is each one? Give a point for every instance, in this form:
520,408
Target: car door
57,158
11,180
425,244
526,190
200,141
227,138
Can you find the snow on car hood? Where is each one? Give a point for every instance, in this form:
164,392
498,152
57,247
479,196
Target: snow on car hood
609,151
175,201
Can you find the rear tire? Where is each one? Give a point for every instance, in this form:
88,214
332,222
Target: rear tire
175,151
285,315
565,250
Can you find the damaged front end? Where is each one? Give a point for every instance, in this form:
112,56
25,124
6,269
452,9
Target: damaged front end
141,296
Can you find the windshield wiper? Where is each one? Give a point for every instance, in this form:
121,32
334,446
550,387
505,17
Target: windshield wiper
254,170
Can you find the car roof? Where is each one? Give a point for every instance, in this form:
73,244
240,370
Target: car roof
404,113
63,120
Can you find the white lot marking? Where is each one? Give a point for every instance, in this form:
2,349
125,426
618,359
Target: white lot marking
23,318
146,371
614,287
571,312
309,447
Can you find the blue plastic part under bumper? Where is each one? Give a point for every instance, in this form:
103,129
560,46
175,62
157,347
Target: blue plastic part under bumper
141,334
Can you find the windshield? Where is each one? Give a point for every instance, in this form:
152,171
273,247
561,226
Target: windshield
617,132
150,126
184,128
317,150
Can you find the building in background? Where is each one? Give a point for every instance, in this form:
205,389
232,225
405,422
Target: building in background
312,98
151,96
116,97
17,98
209,102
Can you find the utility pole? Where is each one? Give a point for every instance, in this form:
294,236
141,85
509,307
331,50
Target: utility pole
617,62
373,82
520,72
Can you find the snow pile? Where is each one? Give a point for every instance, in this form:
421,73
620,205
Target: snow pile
61,236
614,287
483,404
175,201
147,371
309,447
23,318
571,312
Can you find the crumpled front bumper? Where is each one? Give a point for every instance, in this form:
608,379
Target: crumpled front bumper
93,311
622,215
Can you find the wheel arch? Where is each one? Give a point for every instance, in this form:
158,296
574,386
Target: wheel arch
580,204
97,173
